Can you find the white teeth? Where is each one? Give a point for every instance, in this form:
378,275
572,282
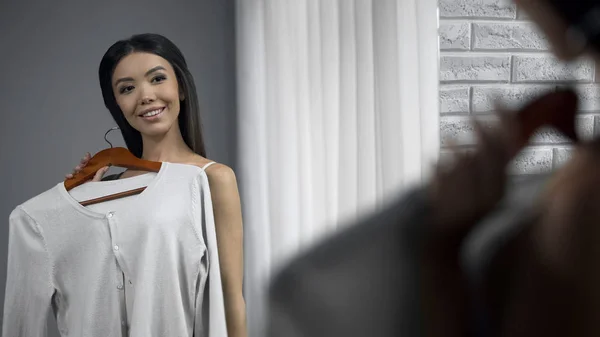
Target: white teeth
152,113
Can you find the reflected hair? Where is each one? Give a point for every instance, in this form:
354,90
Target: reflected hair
189,114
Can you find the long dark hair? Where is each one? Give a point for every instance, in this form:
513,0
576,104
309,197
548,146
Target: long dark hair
189,115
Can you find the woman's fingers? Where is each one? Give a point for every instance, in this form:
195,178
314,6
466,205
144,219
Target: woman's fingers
82,163
100,173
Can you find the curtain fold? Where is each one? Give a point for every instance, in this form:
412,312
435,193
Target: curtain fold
338,110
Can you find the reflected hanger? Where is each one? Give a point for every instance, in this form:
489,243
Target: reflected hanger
536,115
113,156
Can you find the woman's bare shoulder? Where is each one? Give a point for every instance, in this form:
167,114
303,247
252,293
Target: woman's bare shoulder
217,173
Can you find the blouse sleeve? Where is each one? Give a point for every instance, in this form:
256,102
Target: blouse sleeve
210,315
29,287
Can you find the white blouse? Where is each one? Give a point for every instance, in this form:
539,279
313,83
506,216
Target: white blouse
145,265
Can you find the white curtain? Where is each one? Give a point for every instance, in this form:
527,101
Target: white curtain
338,109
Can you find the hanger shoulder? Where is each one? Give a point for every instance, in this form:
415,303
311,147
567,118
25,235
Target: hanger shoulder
117,156
121,157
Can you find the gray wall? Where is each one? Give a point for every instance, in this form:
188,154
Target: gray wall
52,110
489,48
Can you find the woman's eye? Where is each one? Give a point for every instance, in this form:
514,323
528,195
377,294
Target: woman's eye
159,78
126,89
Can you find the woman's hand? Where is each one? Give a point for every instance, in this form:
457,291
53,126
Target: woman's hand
84,161
461,195
464,192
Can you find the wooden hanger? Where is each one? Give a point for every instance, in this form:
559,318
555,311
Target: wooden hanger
114,156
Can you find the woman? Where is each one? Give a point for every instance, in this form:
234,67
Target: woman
149,91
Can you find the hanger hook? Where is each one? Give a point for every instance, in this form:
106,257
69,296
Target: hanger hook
106,134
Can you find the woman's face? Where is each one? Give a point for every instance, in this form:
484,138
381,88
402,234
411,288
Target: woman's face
146,90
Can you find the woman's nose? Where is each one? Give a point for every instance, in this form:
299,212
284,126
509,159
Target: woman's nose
147,95
147,100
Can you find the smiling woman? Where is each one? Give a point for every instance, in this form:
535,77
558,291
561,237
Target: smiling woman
151,95
179,243
149,72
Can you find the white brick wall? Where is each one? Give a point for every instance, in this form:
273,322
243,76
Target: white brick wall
489,50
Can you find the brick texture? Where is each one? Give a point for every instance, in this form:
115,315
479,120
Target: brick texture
477,68
512,96
490,52
544,68
508,36
455,35
454,99
499,9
